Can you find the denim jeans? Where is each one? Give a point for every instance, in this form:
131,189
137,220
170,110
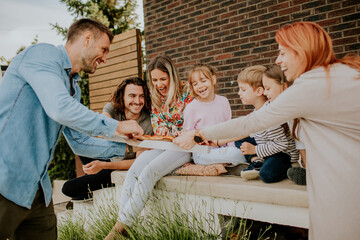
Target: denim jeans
249,140
141,178
79,188
275,166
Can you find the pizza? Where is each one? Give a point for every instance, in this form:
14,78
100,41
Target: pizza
157,138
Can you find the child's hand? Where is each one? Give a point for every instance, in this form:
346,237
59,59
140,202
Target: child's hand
247,149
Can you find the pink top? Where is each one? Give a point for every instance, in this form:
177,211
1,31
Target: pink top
199,115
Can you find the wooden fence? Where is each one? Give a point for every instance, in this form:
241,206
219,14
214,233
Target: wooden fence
124,60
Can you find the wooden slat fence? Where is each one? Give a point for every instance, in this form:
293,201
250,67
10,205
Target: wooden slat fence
124,60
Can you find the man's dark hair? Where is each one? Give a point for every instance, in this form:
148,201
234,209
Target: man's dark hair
117,98
88,24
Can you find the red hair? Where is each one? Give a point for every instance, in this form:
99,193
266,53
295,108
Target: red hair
313,45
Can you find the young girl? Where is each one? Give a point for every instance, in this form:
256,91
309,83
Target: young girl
169,98
271,79
208,109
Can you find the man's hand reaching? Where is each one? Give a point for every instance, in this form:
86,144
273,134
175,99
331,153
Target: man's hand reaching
129,128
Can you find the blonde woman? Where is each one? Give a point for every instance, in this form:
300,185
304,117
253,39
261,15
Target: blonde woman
169,98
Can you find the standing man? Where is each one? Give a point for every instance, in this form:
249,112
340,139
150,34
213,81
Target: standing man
130,101
39,100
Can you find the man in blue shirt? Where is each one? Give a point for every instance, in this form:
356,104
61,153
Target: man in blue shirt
39,100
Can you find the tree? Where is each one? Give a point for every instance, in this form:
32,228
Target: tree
119,16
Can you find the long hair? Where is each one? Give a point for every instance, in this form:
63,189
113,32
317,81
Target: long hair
165,64
314,47
117,98
274,72
205,69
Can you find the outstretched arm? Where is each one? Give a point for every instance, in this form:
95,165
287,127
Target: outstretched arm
96,166
85,145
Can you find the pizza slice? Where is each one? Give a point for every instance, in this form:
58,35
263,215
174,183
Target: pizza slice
157,138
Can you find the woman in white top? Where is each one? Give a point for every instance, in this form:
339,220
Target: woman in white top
325,96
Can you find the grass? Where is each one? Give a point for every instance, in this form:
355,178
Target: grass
165,217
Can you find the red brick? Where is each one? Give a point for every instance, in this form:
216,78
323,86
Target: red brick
250,57
270,28
204,16
212,53
278,7
351,32
259,37
240,35
341,12
329,22
289,10
227,15
172,5
344,41
224,56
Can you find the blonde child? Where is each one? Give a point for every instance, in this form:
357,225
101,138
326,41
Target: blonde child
208,109
269,152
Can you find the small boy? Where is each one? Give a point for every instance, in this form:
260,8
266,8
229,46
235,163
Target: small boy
272,145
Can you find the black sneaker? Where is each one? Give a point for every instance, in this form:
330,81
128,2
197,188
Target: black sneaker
297,175
252,172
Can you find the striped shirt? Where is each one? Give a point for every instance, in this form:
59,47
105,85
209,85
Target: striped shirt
274,140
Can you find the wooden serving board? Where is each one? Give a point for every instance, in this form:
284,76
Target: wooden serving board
159,144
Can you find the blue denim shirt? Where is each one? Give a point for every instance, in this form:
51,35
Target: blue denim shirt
35,108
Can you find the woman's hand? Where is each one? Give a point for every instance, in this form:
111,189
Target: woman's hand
185,140
94,167
247,149
163,131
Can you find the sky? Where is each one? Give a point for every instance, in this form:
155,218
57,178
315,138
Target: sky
22,20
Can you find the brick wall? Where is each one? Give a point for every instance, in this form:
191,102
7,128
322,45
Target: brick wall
231,35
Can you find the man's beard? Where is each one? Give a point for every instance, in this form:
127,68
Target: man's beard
88,66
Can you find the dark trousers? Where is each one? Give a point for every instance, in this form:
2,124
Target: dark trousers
249,140
275,166
80,188
19,223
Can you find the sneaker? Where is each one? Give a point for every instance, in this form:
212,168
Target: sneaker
252,172
236,170
69,205
297,175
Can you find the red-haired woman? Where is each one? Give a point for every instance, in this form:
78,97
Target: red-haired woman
325,97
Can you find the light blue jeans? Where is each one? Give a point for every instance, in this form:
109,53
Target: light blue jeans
141,178
230,155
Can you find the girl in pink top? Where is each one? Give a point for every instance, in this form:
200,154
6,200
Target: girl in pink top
208,109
